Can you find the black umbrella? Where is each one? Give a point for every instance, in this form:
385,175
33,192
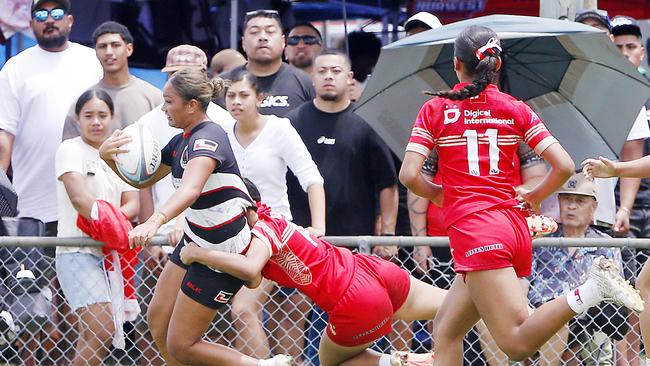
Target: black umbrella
571,74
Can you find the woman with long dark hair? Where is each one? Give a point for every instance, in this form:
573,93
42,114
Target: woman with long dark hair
83,179
475,129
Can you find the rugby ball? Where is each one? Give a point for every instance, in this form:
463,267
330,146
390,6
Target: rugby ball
142,160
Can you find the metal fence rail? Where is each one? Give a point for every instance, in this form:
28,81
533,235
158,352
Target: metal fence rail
48,329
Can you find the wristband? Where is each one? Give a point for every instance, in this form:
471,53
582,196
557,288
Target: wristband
164,217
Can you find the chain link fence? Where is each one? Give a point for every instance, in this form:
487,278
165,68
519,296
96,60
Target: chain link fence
37,325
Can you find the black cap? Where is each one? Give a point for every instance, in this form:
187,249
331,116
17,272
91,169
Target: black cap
65,4
599,15
623,25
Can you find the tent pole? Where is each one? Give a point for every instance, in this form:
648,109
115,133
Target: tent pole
345,29
233,24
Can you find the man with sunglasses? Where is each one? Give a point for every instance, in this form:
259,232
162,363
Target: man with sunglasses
304,43
36,88
284,87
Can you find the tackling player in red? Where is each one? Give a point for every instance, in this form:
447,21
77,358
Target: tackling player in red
361,294
475,129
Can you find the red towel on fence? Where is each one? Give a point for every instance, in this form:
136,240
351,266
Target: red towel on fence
111,226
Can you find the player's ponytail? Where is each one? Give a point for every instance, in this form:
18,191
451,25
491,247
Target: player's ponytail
478,48
218,86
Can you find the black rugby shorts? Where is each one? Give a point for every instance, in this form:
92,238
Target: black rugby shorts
204,285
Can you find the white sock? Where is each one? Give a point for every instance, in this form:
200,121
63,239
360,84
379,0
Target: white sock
583,297
384,360
267,362
647,362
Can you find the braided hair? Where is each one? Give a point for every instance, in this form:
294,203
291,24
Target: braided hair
478,48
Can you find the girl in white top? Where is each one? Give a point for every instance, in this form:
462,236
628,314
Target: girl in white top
264,146
82,178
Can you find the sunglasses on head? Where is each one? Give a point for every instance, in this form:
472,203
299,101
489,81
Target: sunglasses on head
262,13
41,15
309,40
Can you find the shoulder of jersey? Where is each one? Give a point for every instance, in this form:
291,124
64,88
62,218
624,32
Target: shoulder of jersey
437,101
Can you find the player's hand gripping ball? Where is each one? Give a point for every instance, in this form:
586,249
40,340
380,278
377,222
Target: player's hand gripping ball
142,160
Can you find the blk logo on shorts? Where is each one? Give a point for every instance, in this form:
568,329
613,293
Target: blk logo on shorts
223,297
193,287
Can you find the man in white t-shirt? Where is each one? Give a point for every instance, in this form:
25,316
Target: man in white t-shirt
36,88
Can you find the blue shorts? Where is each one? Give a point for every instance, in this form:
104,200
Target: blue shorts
82,278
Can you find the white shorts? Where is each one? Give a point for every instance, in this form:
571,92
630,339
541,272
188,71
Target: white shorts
82,278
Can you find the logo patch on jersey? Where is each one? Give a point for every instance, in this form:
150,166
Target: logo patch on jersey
451,115
185,157
293,266
325,140
223,297
275,101
205,144
533,117
481,98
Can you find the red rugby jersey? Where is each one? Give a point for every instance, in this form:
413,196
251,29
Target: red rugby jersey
315,267
477,142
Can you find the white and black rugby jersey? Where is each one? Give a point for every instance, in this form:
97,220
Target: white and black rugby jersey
216,220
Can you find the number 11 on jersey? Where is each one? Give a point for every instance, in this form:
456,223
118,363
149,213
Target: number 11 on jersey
472,137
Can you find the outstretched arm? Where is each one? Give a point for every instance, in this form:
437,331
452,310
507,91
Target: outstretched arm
246,267
605,168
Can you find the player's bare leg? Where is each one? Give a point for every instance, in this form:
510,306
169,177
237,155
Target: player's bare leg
246,313
519,334
456,316
185,343
332,354
516,333
161,307
643,285
422,302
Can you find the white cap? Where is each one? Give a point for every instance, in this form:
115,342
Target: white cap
427,19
